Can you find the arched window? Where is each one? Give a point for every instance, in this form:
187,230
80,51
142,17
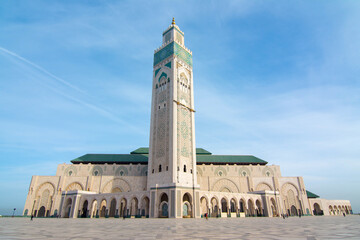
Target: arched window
160,168
184,168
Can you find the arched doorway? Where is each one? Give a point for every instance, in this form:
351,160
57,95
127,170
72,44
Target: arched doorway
224,205
273,207
233,205
203,206
242,206
331,211
258,208
84,213
103,209
94,209
41,212
145,206
214,207
293,211
123,208
187,211
134,207
68,208
317,209
164,207
112,208
251,208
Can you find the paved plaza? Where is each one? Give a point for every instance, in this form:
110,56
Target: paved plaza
225,228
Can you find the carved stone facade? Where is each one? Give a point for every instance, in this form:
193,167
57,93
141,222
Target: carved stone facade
172,178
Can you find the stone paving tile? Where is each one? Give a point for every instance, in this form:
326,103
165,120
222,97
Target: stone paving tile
308,228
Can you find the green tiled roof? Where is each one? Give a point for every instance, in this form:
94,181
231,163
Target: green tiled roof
145,150
142,150
311,195
229,159
112,158
140,155
202,151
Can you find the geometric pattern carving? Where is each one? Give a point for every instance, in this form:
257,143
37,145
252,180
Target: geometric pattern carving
225,184
74,186
116,183
45,186
244,172
220,171
263,186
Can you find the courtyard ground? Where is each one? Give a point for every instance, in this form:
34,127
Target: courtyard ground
225,228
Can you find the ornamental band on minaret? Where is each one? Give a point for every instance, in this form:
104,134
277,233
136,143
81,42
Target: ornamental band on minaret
172,154
172,178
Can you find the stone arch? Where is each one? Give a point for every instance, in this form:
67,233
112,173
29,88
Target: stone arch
145,203
44,186
134,206
233,205
242,205
164,206
84,209
115,185
121,171
244,172
103,210
68,207
273,207
186,205
259,208
225,183
96,171
70,171
220,172
204,205
317,209
112,210
251,207
74,186
286,186
214,202
224,204
263,186
267,172
94,209
123,207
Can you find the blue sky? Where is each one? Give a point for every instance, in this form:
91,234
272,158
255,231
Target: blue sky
274,79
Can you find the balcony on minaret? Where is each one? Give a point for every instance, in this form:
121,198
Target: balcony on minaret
173,33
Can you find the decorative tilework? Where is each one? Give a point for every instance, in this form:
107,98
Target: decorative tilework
170,49
168,65
162,75
157,71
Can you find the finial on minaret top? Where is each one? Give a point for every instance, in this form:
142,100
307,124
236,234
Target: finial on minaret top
173,21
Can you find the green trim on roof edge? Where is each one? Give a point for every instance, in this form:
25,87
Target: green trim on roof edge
311,195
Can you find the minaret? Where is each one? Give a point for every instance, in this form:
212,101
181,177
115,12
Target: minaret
172,154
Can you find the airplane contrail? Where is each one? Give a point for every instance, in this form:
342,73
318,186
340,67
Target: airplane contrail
92,106
41,69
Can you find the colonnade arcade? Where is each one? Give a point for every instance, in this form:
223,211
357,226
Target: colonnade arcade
108,205
236,206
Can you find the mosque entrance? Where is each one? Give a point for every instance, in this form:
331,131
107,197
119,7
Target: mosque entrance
293,211
163,209
317,210
85,209
185,210
41,212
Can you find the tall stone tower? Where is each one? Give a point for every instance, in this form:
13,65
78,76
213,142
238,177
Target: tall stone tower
172,154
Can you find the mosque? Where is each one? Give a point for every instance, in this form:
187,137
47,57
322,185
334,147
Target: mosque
172,178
